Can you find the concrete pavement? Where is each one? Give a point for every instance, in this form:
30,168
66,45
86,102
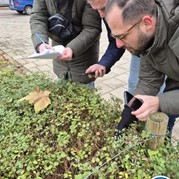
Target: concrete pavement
15,40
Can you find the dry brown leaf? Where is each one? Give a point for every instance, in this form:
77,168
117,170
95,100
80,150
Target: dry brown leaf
42,104
39,98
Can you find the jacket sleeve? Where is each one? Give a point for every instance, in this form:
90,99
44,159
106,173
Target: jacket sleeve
169,102
90,33
39,22
112,53
150,81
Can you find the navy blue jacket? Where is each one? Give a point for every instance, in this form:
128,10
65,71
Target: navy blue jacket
112,53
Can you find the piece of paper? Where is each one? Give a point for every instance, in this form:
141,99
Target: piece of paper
48,53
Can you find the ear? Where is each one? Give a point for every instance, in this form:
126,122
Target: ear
148,23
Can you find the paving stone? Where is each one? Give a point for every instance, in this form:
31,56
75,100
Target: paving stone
113,83
30,65
103,89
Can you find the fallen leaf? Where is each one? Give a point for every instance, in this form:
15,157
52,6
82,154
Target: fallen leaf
42,103
39,98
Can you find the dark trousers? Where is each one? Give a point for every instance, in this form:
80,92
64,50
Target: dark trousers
172,119
171,122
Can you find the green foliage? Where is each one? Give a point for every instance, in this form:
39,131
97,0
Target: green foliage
73,136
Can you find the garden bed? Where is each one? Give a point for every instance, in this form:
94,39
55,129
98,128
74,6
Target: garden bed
73,137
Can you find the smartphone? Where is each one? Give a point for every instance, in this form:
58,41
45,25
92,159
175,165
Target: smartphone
131,101
85,74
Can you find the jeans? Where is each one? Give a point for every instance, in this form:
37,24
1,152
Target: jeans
91,84
133,73
171,122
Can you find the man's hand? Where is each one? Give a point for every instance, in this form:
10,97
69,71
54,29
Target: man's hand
150,105
99,70
66,55
43,47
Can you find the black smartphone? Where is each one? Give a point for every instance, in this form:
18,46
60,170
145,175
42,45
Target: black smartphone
85,74
131,101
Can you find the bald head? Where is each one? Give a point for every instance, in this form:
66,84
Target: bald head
98,5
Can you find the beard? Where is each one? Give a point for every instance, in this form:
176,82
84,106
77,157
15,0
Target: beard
144,42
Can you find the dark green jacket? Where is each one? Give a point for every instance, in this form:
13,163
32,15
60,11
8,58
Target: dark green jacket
85,45
161,59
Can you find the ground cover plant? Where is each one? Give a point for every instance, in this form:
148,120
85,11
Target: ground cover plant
73,137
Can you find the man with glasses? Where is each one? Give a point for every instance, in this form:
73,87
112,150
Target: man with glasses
150,28
113,53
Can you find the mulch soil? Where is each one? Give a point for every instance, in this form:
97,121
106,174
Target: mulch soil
7,61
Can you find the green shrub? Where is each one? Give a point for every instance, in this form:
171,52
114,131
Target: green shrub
73,136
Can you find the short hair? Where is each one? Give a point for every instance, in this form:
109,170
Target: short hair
133,9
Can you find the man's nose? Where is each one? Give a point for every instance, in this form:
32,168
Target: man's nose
101,13
119,43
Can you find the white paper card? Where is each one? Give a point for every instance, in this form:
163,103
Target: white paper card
48,53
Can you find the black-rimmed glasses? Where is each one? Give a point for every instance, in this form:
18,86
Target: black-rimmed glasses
123,36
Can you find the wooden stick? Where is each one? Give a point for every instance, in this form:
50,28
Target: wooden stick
157,125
